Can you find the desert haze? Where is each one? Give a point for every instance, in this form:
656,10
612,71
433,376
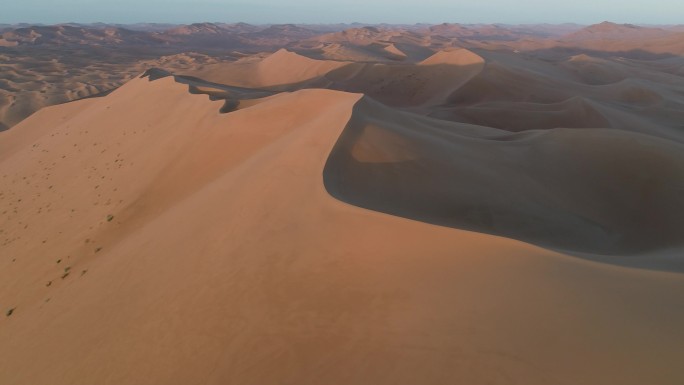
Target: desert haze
341,204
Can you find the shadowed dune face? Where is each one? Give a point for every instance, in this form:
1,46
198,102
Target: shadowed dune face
596,191
516,117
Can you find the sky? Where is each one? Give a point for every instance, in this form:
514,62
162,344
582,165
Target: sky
346,11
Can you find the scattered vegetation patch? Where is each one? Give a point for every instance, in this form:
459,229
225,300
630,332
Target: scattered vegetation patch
10,311
110,217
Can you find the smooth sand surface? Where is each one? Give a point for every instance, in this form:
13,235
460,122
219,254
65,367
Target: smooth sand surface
204,248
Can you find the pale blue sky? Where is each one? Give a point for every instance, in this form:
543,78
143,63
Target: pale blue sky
365,11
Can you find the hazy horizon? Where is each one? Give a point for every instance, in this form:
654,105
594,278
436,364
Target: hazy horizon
350,23
662,12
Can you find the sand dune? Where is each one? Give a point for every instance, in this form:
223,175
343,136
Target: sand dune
461,57
372,35
510,116
284,67
46,76
346,52
490,88
394,50
49,65
617,32
56,64
281,68
225,221
375,52
618,92
427,82
301,204
627,40
360,36
458,175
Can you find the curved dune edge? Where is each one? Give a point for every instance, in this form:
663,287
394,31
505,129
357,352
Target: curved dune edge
227,261
594,192
575,112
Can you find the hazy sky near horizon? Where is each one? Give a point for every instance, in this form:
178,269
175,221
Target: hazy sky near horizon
364,11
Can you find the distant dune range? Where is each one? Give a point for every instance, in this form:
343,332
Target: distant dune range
426,204
47,65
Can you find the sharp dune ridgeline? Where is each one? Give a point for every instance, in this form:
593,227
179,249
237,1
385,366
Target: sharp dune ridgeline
342,205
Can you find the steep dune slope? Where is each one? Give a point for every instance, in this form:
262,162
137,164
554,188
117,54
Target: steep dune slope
598,191
521,116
